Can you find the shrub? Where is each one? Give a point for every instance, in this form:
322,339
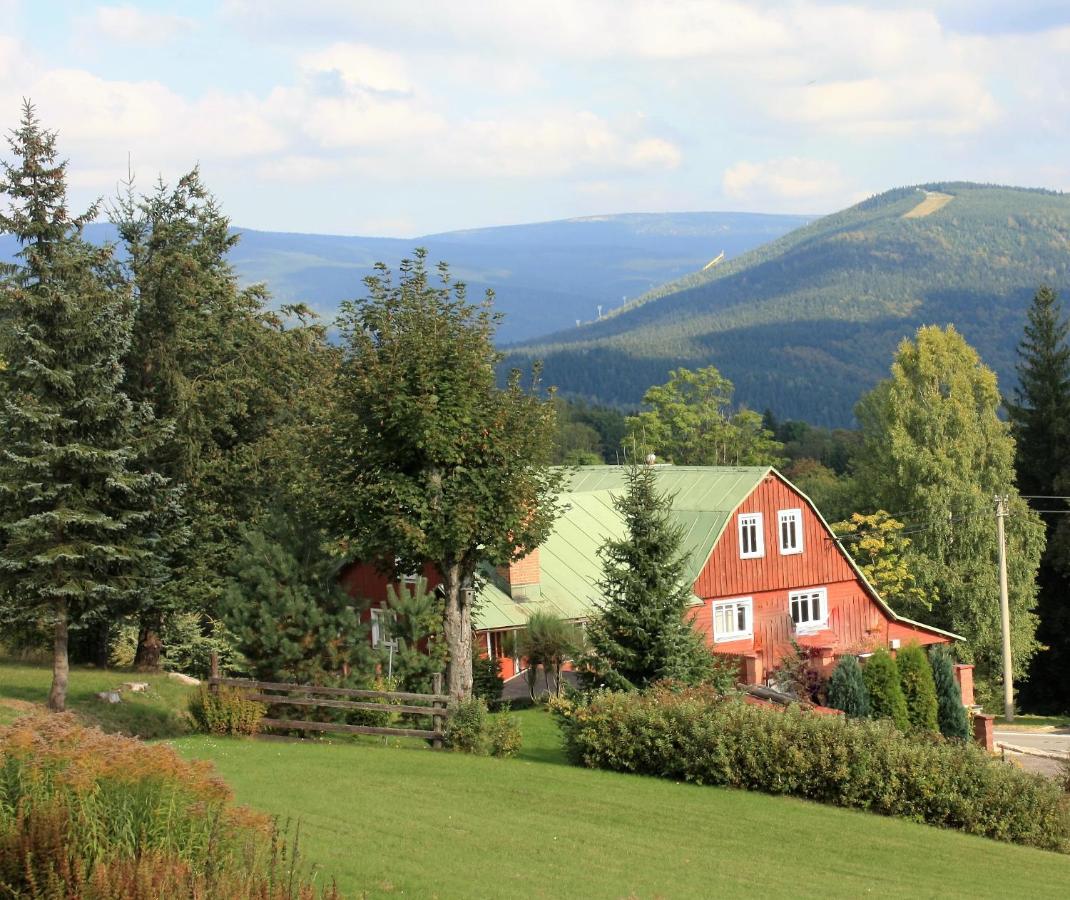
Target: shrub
472,729
695,736
950,713
919,690
487,679
847,689
104,817
225,711
504,736
369,717
797,675
886,700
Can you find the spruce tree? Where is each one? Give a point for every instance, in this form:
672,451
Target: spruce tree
847,689
79,512
951,714
886,700
291,618
1040,417
640,633
916,679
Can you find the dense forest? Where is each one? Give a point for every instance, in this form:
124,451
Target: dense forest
806,323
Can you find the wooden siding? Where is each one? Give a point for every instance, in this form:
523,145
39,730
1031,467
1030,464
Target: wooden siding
856,623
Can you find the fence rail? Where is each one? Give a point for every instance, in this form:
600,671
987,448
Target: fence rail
280,693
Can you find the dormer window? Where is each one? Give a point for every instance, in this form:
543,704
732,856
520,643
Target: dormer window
789,529
751,540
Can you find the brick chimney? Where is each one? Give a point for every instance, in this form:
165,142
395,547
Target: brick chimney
521,576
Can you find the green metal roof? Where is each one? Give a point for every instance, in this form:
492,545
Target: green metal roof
703,500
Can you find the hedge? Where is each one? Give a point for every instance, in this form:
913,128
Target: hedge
692,735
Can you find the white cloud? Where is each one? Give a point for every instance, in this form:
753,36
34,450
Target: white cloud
802,184
128,24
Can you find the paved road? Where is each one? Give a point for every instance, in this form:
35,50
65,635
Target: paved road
1058,742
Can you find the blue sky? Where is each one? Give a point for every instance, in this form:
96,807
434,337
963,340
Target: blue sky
403,118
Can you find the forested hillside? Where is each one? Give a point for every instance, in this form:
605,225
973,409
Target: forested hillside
546,275
808,322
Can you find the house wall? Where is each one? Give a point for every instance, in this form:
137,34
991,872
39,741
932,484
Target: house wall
856,623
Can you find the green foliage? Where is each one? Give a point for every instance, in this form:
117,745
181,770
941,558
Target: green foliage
882,552
417,627
225,711
547,641
688,422
834,495
919,689
487,681
951,714
374,718
884,687
847,688
697,737
804,323
934,444
290,618
1039,419
81,509
424,458
472,729
101,817
796,674
640,633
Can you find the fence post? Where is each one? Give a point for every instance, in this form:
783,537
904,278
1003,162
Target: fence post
436,721
213,672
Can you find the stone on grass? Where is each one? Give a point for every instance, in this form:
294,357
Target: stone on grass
109,697
135,686
183,679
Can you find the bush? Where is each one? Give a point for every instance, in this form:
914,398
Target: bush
368,717
472,729
950,713
487,681
225,711
695,736
886,700
847,689
919,690
103,817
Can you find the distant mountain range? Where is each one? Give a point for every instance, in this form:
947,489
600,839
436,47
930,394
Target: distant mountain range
545,275
806,323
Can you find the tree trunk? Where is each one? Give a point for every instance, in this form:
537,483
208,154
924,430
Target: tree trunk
149,645
458,627
57,696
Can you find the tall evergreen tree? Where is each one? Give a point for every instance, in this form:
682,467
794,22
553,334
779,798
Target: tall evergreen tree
950,713
886,700
916,679
79,510
239,383
933,443
424,458
847,688
1040,417
640,632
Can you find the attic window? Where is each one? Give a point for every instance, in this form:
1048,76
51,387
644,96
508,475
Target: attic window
751,539
809,609
789,529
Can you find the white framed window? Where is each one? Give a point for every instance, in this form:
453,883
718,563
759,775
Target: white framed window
733,619
381,620
790,531
809,609
751,539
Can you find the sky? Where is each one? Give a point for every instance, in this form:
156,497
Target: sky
401,118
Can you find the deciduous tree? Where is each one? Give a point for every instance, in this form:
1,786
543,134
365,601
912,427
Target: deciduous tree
877,544
424,458
934,444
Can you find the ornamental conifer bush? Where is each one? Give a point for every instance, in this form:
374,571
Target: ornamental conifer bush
950,713
919,690
847,689
886,700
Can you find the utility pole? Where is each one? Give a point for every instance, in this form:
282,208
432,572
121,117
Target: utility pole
1005,611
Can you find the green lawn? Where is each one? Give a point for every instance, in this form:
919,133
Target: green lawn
386,821
1027,721
158,712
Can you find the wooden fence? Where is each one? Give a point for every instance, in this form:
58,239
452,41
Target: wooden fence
275,693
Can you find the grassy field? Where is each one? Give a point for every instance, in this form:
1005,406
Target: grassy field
156,713
1039,722
393,821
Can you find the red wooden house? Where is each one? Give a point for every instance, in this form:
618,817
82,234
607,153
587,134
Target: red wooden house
764,566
